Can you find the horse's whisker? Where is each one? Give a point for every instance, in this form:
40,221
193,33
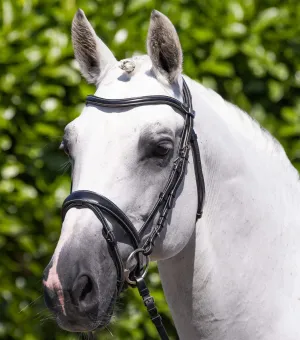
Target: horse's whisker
31,303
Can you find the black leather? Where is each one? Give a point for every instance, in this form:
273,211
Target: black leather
151,308
140,101
198,173
102,206
80,198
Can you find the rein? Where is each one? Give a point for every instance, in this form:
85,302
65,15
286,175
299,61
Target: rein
102,206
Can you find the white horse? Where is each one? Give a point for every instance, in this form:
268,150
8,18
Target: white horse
235,274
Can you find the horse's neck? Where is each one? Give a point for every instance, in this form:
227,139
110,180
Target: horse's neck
249,228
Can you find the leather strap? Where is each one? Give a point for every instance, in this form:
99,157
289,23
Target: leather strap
97,203
198,174
151,308
82,198
140,101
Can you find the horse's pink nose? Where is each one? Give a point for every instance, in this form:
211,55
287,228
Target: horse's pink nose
76,300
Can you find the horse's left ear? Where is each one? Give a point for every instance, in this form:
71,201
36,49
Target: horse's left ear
164,47
90,51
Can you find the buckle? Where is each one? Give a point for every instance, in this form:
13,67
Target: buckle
148,301
109,236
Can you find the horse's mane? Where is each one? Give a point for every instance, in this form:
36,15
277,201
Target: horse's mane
249,128
241,123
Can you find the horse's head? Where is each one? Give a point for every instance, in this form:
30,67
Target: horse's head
126,155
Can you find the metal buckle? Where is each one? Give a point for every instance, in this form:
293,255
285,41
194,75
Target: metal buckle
127,270
109,236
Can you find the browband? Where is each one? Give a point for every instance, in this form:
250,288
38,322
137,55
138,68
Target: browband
140,101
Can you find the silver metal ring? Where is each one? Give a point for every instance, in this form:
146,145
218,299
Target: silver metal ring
127,271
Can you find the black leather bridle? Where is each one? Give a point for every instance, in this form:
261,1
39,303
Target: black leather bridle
102,206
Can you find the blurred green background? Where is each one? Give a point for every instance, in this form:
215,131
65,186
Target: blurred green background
247,50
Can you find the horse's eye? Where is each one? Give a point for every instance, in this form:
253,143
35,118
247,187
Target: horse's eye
64,146
162,149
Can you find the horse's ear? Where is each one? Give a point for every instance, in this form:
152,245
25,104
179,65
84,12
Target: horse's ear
90,51
164,47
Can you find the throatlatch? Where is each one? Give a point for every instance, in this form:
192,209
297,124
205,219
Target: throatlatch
102,206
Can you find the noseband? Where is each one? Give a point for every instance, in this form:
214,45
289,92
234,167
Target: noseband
102,206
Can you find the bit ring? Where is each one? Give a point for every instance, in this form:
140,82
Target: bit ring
127,271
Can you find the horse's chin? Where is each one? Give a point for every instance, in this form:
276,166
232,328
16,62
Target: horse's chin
78,324
81,326
86,324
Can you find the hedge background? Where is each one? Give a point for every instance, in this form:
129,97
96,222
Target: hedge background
247,50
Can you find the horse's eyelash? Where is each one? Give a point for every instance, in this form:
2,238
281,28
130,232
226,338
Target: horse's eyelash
61,146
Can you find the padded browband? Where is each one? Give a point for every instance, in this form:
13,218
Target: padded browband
140,101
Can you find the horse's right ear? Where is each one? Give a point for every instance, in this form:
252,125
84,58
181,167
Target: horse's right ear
90,51
164,47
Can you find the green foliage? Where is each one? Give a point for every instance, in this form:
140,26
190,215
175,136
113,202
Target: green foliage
247,50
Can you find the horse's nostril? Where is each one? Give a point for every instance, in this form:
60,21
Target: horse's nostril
87,285
82,290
